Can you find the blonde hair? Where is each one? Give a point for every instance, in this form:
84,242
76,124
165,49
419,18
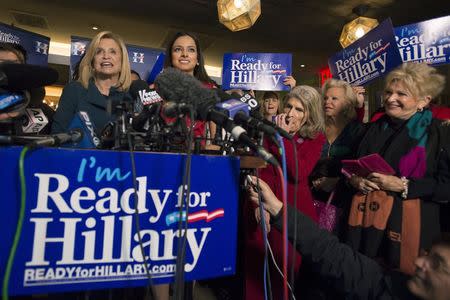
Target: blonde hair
311,101
87,71
419,78
348,112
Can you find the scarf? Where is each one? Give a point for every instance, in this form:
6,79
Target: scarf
381,223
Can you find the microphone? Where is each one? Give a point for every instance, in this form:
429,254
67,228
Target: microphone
258,121
183,88
12,101
34,120
83,124
18,77
73,136
173,109
140,91
148,98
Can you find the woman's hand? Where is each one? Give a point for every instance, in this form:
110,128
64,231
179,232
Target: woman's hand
289,80
271,202
280,120
236,91
266,218
359,92
387,182
326,184
363,185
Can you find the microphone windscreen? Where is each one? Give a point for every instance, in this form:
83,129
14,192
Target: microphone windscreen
177,86
18,77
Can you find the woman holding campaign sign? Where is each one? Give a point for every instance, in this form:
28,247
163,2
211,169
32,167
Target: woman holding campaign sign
343,131
302,118
395,211
104,74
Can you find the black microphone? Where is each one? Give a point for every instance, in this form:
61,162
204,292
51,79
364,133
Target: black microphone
183,88
173,109
150,101
19,77
73,136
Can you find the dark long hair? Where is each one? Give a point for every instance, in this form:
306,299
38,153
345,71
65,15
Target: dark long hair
199,70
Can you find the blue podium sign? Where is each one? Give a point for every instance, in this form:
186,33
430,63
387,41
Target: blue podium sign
79,230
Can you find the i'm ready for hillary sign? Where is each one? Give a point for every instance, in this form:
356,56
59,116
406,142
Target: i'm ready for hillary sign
427,41
79,229
372,56
256,71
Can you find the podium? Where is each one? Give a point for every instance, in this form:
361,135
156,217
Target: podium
79,229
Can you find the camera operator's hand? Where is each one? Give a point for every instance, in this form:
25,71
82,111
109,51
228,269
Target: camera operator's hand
271,202
266,218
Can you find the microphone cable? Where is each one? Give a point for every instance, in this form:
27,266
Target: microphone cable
183,224
148,290
18,233
267,282
284,233
294,254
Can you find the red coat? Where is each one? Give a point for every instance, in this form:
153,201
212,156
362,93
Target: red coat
308,152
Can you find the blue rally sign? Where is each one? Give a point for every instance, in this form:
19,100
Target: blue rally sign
372,56
427,41
141,59
256,71
35,44
79,231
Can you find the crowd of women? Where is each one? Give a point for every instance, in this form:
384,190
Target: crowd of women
390,217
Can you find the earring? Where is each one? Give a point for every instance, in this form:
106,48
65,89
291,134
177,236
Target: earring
420,109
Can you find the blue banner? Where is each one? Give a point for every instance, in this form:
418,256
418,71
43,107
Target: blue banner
35,44
370,57
427,41
142,59
256,71
79,231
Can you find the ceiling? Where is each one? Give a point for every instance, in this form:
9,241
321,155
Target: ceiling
307,28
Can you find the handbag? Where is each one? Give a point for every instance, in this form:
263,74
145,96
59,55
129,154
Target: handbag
328,214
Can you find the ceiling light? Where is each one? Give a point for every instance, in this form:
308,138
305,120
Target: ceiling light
238,15
357,28
94,27
302,66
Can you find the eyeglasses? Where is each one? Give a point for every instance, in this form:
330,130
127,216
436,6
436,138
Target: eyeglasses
435,261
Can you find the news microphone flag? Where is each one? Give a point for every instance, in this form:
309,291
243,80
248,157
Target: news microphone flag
82,121
33,120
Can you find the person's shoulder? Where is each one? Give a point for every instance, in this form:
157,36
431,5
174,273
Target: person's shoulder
73,87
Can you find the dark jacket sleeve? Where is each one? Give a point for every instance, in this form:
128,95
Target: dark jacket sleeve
348,271
67,107
435,186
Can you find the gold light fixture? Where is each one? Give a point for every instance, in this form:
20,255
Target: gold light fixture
238,15
357,28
